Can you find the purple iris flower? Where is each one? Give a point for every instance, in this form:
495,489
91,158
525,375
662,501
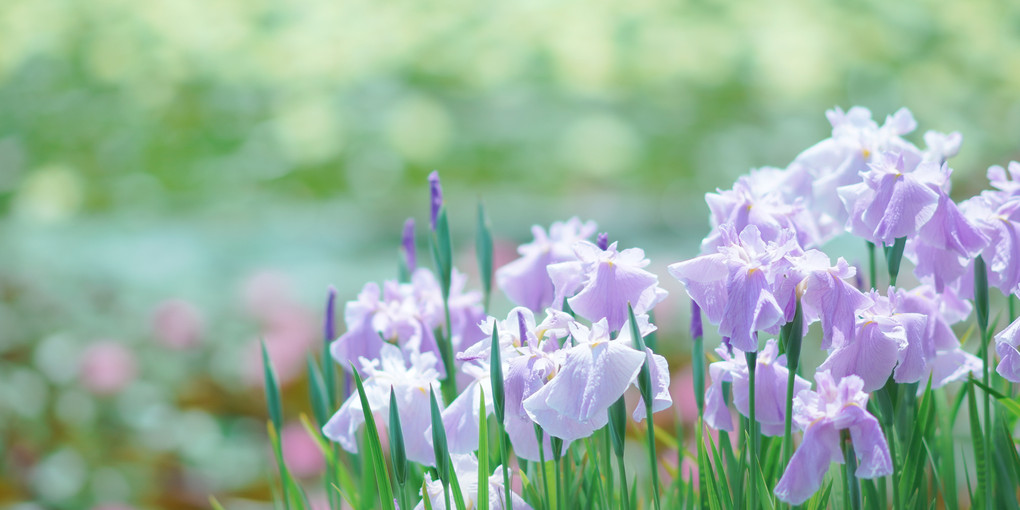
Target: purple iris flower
821,414
754,200
527,366
1006,344
895,198
526,280
406,314
839,160
736,287
435,198
771,378
944,246
605,281
411,380
588,377
466,468
883,340
996,213
941,146
460,418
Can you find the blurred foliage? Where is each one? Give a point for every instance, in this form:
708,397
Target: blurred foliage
175,104
175,147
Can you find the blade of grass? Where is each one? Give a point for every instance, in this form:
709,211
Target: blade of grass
375,456
483,455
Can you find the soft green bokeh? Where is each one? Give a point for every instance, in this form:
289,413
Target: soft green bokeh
175,148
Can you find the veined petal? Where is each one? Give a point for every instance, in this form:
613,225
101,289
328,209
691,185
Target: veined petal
592,377
869,443
871,355
661,399
809,464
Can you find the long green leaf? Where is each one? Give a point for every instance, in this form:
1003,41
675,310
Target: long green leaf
483,455
375,447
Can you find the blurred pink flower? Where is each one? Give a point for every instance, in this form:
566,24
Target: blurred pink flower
682,390
266,291
177,324
289,329
106,367
302,455
113,506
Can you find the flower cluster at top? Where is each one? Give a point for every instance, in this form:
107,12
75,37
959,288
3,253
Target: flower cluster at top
567,352
760,268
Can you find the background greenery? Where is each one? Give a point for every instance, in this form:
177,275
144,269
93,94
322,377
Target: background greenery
181,148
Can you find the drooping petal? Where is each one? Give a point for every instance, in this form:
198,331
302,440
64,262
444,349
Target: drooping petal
751,307
809,464
1006,344
871,355
661,399
704,278
869,442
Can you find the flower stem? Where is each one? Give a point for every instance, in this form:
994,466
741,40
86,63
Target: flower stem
541,469
793,333
853,484
872,271
981,313
504,453
752,425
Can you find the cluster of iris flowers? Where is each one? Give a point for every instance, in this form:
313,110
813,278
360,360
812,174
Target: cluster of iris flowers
424,352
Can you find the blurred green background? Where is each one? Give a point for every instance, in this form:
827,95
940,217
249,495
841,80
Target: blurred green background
223,151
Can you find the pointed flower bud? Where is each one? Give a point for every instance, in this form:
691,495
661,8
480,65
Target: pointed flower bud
602,241
407,245
329,323
436,191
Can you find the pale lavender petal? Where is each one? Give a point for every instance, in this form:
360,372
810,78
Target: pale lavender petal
416,422
460,420
920,348
869,443
526,281
704,278
871,355
831,299
1006,343
751,307
611,283
809,464
343,426
567,279
661,399
717,413
951,366
593,377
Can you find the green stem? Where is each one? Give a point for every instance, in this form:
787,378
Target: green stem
504,453
698,372
449,384
652,457
981,313
752,422
853,483
625,499
792,333
541,470
872,271
560,496
886,398
893,256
